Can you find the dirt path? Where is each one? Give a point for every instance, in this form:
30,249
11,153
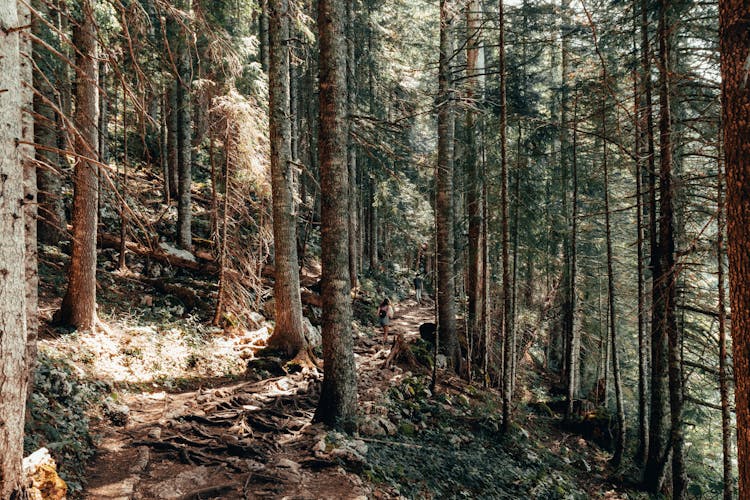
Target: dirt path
246,439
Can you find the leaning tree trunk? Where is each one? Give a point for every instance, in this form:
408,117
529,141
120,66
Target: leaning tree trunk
338,397
444,187
78,307
288,336
734,18
13,376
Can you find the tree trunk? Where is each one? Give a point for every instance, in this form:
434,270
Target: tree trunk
184,137
641,151
78,307
507,328
51,219
657,439
564,233
726,416
351,84
668,279
444,187
264,34
620,436
338,398
288,335
174,177
473,180
573,355
13,376
734,18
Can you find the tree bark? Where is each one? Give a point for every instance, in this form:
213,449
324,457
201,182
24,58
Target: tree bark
338,399
30,195
444,187
13,312
288,336
78,307
734,36
171,124
351,84
264,35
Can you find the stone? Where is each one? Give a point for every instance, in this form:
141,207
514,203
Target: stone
255,320
118,414
442,361
40,474
312,333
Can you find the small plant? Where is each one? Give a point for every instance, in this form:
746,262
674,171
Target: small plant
58,418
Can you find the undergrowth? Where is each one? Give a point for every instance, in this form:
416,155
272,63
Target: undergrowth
451,447
58,418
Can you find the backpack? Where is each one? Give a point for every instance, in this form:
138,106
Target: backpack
382,313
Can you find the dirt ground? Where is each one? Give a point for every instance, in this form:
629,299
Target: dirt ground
246,439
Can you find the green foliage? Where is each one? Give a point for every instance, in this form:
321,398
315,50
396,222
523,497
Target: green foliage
449,446
58,418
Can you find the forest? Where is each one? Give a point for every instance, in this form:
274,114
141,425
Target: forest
374,249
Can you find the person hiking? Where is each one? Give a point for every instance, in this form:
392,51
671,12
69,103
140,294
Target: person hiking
385,314
418,286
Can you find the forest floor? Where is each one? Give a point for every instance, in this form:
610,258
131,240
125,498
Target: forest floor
178,414
245,439
256,439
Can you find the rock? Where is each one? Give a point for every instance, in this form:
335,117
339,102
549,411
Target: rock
118,414
388,426
255,320
442,361
40,476
371,427
182,254
312,333
147,300
270,364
